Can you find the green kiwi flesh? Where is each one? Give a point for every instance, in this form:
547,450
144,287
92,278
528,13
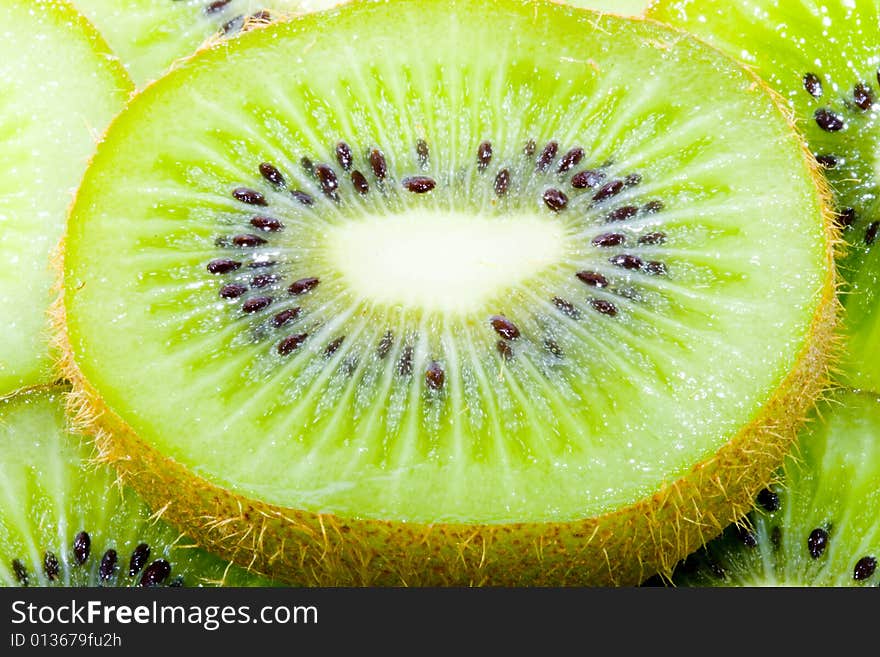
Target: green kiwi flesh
820,526
623,7
59,87
532,286
65,521
822,57
150,35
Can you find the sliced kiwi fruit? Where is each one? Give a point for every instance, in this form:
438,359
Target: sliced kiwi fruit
67,522
59,87
399,313
822,57
820,526
625,7
150,35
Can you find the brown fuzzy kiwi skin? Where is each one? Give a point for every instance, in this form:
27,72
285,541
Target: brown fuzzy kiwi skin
620,548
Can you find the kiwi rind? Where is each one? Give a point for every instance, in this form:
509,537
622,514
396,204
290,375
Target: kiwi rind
616,548
81,526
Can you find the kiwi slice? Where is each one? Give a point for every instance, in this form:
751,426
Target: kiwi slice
821,56
150,35
59,87
399,313
67,522
625,7
820,526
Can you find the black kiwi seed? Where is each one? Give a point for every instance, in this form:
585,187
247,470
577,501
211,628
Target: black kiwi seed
247,241
653,207
419,184
623,213
256,304
303,285
232,291
608,239
817,541
108,565
308,166
249,196
291,342
484,155
82,545
626,261
871,232
262,15
502,182
263,280
344,155
863,97
504,349
422,153
156,573
846,217
269,224
21,573
331,348
827,161
632,180
359,182
652,238
272,174
828,120
233,25
553,348
570,160
385,344
655,268
404,365
864,568
504,327
608,190
768,500
139,559
529,148
555,200
435,377
813,85
302,197
285,317
747,537
566,307
587,178
604,307
50,566
592,278
223,266
546,156
378,164
328,181
217,6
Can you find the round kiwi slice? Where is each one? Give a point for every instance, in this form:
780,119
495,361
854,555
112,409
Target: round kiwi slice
821,525
67,522
150,35
821,56
59,87
402,313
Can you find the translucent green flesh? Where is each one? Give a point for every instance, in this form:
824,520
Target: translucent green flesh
838,41
624,7
58,89
831,485
49,494
585,413
150,35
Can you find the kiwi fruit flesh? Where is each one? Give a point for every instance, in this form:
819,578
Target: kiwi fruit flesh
821,56
66,521
517,318
59,87
150,35
820,525
624,7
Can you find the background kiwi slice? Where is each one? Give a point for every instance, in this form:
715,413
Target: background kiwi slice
822,57
59,86
820,526
150,35
524,317
65,521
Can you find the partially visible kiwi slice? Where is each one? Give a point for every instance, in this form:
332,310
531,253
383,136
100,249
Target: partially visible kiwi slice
821,525
66,522
150,35
59,87
624,7
822,56
409,312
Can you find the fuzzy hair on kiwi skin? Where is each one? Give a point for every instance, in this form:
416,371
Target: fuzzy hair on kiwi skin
620,548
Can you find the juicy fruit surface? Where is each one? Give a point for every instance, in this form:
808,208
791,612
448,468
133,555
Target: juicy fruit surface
64,522
821,525
263,320
58,89
150,35
822,57
624,7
